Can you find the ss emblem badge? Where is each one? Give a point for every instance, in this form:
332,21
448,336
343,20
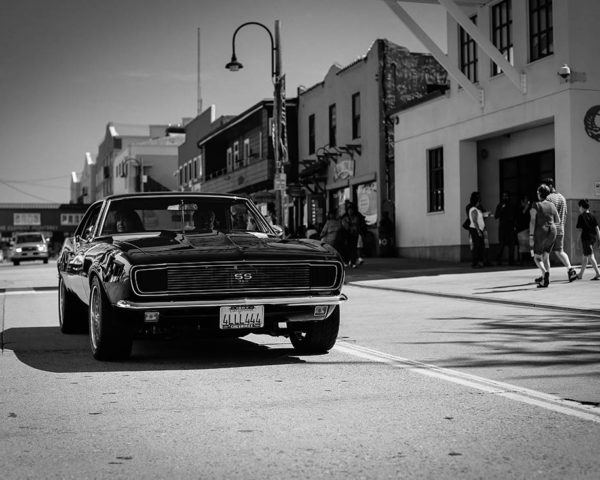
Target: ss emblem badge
242,277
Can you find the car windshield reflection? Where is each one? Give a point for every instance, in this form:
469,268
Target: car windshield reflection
182,215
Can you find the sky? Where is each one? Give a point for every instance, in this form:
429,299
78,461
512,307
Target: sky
69,67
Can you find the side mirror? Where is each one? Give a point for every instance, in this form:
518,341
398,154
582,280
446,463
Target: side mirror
278,230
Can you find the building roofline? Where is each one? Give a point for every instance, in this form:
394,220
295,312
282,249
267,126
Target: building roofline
234,121
239,118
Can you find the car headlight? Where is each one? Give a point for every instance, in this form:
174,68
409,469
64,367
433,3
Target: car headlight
18,249
42,248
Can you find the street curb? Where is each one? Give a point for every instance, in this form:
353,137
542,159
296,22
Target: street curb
456,296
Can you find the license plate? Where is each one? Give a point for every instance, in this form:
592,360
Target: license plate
242,316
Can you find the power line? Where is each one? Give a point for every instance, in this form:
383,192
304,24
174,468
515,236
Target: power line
62,177
36,184
26,193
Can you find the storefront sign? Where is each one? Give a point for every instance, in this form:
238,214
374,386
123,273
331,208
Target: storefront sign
343,169
28,228
367,200
24,219
70,219
280,181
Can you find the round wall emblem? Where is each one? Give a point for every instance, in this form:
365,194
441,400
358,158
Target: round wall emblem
591,121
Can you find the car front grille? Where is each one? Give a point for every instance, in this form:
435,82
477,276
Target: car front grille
227,278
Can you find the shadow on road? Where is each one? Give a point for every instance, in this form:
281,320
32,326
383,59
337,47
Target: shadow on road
46,348
560,340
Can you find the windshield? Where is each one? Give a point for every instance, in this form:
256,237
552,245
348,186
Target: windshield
30,238
190,215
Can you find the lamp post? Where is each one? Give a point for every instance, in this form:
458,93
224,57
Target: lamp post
279,137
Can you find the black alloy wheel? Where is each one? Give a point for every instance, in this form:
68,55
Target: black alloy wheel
109,338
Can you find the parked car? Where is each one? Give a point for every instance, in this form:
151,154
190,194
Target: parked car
28,246
171,261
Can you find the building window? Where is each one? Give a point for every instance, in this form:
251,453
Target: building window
502,32
260,145
541,33
247,151
229,159
468,53
70,219
236,155
356,116
435,159
180,179
332,125
311,134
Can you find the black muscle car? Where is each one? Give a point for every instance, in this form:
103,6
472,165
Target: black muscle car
162,262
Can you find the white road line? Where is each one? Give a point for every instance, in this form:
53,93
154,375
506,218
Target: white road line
26,291
513,392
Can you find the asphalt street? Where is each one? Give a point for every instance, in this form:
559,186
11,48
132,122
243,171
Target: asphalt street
438,372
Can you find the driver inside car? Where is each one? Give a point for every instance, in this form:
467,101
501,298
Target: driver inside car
205,220
127,221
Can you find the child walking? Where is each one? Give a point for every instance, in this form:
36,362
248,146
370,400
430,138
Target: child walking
589,236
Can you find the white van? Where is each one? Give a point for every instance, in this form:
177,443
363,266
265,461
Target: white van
28,246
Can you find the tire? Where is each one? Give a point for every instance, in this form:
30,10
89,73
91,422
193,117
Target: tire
45,260
109,339
318,336
71,313
16,263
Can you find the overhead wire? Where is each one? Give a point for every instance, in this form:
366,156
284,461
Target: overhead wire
62,177
26,193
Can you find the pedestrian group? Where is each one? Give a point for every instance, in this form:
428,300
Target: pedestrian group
536,227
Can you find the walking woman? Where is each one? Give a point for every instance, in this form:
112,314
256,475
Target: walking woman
476,230
542,233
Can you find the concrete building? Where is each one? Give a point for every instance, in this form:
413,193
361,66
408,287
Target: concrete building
346,135
148,166
83,185
118,165
524,104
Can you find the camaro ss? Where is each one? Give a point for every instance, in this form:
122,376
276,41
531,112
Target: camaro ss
169,262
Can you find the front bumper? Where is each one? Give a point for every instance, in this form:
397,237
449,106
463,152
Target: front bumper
28,256
277,309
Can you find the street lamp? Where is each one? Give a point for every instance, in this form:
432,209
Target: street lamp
279,140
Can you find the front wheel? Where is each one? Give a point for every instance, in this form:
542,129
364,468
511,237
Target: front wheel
318,336
109,338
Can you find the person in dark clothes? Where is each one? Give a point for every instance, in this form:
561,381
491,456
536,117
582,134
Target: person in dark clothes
505,215
589,237
522,218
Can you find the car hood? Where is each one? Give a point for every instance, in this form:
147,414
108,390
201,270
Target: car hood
217,246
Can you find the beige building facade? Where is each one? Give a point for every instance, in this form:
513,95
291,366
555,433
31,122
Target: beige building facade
501,127
345,134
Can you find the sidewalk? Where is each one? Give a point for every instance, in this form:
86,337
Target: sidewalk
510,285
